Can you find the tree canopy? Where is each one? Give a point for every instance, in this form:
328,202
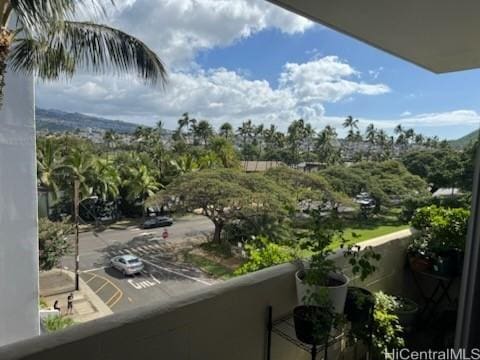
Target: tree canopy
225,195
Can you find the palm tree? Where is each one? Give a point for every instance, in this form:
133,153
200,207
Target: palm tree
183,122
106,179
419,139
203,130
110,138
246,131
226,130
309,134
141,184
324,146
371,134
49,163
350,123
79,165
51,45
295,137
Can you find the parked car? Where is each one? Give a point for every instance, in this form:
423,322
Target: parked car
158,221
127,264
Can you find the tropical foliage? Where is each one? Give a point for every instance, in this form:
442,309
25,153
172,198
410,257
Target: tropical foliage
51,42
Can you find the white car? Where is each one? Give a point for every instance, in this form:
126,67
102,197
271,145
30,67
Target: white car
127,264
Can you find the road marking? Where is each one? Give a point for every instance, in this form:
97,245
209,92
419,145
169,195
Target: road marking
101,287
138,250
176,273
141,284
115,298
93,277
92,270
114,302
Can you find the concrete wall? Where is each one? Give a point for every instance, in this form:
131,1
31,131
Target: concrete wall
18,213
224,321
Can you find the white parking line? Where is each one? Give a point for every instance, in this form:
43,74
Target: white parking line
96,269
176,273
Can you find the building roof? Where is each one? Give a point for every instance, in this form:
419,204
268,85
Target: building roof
260,166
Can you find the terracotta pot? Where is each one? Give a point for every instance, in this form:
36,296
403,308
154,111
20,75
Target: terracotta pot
419,263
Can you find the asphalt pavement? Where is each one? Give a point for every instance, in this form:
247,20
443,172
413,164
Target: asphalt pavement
162,277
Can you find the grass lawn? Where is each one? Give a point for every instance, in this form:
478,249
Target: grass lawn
208,266
360,230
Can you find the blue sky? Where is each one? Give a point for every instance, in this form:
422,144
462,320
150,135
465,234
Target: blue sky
414,90
251,60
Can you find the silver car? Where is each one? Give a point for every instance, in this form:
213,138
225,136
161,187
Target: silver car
127,264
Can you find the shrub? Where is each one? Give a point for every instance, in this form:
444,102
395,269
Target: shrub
53,242
411,204
444,228
387,332
55,323
265,254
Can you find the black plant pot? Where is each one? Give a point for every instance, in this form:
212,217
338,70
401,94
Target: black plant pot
445,263
407,313
359,305
312,324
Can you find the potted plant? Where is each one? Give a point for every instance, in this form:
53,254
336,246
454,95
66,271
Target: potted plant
321,286
387,331
321,274
360,302
406,311
444,230
314,320
419,258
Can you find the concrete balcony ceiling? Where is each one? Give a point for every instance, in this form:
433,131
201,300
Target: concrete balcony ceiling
439,35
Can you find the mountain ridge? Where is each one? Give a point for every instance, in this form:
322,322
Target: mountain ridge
54,120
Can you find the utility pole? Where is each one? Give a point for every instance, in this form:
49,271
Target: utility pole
76,203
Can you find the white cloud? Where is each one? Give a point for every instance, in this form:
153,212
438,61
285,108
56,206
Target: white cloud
375,73
178,29
218,95
428,123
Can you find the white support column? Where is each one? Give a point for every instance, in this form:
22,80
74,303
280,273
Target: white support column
19,317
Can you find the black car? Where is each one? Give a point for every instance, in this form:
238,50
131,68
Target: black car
158,221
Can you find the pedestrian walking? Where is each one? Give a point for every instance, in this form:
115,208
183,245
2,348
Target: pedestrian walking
70,304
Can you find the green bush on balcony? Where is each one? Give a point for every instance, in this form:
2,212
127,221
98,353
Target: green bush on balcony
444,229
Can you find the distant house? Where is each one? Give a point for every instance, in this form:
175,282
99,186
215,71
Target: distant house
260,166
311,166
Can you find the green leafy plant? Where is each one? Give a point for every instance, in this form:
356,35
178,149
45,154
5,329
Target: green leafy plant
442,229
42,303
362,260
53,242
387,331
56,323
263,253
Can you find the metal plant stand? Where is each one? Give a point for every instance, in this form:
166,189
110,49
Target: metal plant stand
285,328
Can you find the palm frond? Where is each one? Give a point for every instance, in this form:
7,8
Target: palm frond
38,14
33,56
70,45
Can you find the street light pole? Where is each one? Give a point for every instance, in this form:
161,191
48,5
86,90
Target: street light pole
76,201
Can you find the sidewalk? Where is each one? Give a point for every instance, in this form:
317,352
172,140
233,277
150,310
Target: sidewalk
57,284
